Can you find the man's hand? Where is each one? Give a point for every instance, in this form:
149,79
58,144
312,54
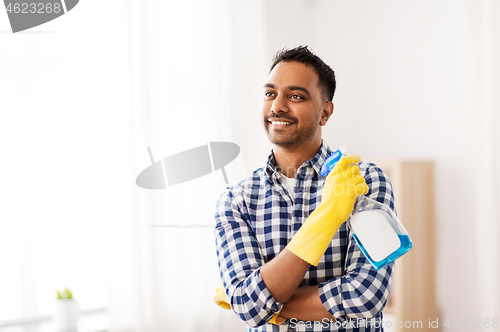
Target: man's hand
221,299
342,186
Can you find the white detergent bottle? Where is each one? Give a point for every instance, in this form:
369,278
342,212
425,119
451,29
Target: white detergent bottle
374,226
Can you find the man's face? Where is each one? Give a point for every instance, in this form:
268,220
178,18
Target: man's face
293,113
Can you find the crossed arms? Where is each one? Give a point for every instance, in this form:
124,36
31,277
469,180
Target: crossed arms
257,284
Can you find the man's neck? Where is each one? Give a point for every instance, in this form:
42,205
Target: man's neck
288,160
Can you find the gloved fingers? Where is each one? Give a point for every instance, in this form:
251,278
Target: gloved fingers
345,161
223,304
357,181
277,320
338,184
353,182
361,188
352,170
220,298
346,167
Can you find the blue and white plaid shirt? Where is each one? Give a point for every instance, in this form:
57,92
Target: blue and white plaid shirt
255,220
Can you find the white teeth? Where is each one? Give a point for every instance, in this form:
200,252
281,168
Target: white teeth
280,123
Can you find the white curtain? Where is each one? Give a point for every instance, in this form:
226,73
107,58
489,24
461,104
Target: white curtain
64,167
184,56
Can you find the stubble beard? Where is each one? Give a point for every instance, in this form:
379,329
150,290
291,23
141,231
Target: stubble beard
294,139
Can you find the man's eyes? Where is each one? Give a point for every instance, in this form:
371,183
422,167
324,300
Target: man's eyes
269,94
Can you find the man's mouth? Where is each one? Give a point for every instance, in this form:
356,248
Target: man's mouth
280,123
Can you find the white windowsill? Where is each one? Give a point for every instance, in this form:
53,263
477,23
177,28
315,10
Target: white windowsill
93,320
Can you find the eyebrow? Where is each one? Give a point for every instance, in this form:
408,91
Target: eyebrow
291,87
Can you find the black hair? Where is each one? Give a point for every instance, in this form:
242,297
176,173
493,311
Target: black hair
303,55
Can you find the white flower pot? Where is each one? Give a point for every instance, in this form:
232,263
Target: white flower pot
66,315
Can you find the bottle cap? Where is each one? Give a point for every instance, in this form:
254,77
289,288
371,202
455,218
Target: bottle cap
332,159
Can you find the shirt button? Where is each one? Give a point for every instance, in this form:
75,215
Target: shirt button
290,330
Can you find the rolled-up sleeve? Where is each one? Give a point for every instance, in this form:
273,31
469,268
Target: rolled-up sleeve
240,258
362,291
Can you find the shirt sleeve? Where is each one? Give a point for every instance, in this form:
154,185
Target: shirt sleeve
240,258
362,291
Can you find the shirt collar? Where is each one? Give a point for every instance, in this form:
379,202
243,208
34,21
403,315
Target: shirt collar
316,162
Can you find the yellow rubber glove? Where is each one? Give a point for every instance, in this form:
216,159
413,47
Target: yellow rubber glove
342,186
222,301
276,320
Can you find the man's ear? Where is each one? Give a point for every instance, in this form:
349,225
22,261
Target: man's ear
326,112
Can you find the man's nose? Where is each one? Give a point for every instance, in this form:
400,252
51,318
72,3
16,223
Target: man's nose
279,105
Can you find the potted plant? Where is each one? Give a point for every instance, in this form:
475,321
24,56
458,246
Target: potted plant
66,311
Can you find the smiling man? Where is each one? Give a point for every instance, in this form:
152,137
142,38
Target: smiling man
286,257
294,114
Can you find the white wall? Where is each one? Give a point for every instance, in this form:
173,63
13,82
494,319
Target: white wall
411,84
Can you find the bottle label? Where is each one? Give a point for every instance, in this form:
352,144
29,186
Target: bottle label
374,231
